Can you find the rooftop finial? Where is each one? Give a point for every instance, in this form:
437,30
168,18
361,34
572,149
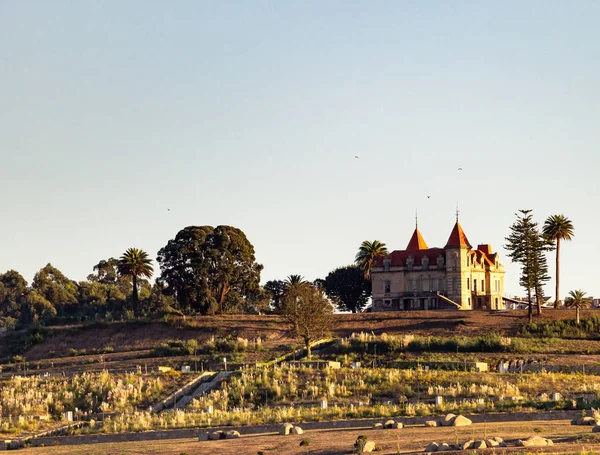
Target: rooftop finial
416,219
457,212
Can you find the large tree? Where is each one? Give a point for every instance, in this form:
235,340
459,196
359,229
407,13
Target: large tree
19,304
210,270
368,253
57,289
348,288
527,247
308,311
275,290
557,228
136,264
577,300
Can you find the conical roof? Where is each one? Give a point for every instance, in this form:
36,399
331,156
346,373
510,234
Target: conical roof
416,242
458,238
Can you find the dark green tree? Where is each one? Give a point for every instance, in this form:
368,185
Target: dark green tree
210,270
275,290
348,288
136,264
557,228
308,311
368,254
527,247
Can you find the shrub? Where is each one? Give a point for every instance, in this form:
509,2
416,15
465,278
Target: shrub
305,442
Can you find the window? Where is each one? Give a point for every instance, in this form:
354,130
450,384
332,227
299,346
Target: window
388,286
386,266
482,286
497,303
456,286
475,285
468,283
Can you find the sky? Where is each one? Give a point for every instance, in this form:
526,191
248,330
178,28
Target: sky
123,121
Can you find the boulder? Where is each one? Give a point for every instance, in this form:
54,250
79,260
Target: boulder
448,420
232,434
203,437
479,445
466,445
297,430
389,424
431,423
398,425
491,443
285,429
596,429
584,421
443,446
368,447
431,447
461,421
535,441
377,426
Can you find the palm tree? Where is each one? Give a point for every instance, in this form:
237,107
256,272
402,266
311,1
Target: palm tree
368,254
578,300
294,279
557,228
135,263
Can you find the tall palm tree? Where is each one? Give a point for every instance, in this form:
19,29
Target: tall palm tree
368,254
578,300
137,264
557,228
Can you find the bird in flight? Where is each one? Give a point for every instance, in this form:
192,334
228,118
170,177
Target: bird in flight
460,168
355,156
428,197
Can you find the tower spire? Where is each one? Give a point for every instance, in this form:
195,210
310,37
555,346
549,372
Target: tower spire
416,219
457,212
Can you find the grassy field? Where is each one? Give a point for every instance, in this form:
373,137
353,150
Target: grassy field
340,442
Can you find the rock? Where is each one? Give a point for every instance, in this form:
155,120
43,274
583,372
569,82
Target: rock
448,420
479,445
297,430
443,446
491,443
461,421
398,425
377,426
584,421
215,435
431,423
466,445
203,437
535,441
596,429
389,424
432,447
369,447
232,434
285,429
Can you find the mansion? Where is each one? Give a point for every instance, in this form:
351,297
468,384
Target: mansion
454,277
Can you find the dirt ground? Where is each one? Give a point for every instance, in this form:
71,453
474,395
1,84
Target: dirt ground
340,442
273,331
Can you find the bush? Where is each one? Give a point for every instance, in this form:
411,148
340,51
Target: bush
304,442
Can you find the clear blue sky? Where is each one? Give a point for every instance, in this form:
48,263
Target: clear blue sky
251,113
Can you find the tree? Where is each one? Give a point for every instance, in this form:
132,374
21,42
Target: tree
578,300
294,279
275,290
309,312
348,288
557,228
368,254
57,289
135,263
527,247
210,270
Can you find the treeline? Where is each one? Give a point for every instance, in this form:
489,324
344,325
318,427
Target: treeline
204,270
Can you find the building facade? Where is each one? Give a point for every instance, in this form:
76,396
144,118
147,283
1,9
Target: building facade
456,276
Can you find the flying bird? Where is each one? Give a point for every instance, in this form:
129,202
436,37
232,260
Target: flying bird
355,156
428,197
460,168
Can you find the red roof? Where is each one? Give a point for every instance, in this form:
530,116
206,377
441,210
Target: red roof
458,237
416,242
399,257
